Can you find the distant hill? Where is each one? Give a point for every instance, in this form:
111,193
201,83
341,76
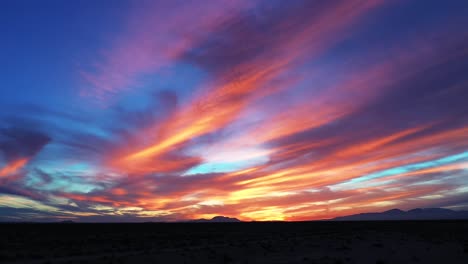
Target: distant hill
66,222
414,214
217,219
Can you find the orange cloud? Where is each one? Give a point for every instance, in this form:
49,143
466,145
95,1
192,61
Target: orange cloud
13,167
326,139
232,92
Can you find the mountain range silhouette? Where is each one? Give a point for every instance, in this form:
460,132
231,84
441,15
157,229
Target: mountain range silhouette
218,219
414,214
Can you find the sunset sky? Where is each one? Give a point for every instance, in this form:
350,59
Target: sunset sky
260,110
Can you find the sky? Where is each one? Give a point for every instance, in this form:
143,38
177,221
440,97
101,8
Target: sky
261,110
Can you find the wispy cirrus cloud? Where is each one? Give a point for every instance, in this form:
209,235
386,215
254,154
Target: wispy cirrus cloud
246,78
157,33
304,111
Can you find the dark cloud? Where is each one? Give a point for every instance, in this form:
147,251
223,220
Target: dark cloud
19,142
9,214
20,190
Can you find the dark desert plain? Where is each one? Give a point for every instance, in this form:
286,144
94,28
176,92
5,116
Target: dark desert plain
367,242
234,131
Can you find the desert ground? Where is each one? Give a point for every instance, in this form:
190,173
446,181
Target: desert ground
256,242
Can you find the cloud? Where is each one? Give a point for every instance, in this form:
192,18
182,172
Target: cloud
333,133
17,142
144,48
300,119
249,77
18,146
